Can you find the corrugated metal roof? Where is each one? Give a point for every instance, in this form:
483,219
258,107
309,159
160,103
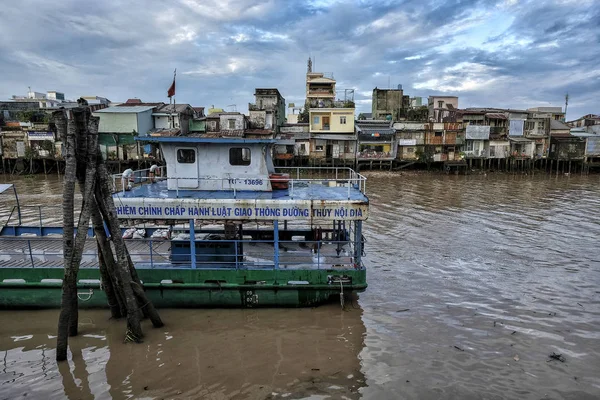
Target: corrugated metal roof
554,124
495,116
132,109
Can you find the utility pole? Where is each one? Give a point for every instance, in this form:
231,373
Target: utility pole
566,104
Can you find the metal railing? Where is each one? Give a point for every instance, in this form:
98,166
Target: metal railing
298,177
47,252
139,176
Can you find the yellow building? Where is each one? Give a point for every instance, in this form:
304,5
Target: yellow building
331,120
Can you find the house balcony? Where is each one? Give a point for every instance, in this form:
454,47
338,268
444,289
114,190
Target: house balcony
325,93
498,130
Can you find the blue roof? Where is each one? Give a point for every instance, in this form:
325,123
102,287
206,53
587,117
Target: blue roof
302,191
189,139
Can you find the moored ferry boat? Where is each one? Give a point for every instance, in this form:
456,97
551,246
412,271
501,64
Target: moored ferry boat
218,227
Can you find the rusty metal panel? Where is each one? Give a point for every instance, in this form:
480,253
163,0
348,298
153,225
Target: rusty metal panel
452,126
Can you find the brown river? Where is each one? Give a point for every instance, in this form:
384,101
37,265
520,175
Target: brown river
474,281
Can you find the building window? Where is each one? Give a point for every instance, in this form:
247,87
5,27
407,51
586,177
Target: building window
318,148
492,151
231,123
438,134
239,156
541,125
440,104
186,156
342,120
410,149
315,120
469,145
529,125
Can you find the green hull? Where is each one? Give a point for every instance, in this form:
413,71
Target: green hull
190,287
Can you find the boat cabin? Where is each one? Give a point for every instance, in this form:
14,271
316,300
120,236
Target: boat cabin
218,164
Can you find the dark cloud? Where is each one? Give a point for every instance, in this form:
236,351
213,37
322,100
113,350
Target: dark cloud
509,53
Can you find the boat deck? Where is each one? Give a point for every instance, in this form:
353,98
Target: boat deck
47,252
302,190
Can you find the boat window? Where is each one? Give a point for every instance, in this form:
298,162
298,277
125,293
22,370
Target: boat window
186,156
239,156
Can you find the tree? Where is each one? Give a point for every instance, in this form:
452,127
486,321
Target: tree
124,290
304,114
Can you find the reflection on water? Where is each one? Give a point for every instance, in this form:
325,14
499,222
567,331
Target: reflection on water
473,282
199,354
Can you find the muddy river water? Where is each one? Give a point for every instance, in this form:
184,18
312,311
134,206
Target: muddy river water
473,282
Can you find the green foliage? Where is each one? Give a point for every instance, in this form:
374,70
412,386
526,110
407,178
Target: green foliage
36,116
303,116
48,146
29,152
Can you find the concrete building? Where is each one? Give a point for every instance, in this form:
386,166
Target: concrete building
173,116
442,108
586,120
389,104
555,113
118,127
54,95
320,89
293,144
331,122
410,137
376,140
267,114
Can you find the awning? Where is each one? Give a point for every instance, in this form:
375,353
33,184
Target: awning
126,140
334,137
106,139
520,140
377,131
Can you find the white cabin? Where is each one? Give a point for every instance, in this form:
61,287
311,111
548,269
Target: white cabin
217,164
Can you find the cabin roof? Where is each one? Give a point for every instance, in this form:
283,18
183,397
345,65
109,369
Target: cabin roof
185,139
306,192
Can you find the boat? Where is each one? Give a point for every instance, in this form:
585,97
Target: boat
217,226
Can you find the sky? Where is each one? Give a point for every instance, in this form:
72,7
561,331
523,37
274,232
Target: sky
508,53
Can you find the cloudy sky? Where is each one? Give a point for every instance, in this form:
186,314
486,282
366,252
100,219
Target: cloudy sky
508,53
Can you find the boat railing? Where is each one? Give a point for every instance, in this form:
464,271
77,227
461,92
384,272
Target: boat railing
139,176
297,177
32,213
149,253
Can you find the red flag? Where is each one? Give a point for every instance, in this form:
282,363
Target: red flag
171,91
